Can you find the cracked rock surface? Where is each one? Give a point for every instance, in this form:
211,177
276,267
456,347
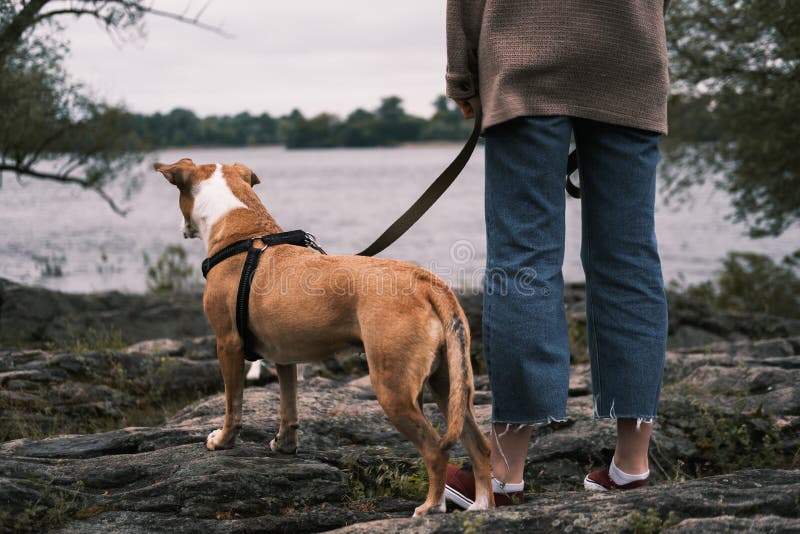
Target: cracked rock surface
162,479
724,455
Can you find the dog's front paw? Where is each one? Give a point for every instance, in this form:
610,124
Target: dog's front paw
277,445
425,509
214,441
480,505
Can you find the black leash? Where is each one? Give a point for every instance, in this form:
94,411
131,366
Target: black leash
440,185
572,165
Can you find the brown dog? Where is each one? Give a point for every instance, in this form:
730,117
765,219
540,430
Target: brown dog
305,306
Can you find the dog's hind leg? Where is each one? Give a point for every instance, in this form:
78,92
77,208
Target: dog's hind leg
231,363
479,453
286,440
471,436
397,392
410,421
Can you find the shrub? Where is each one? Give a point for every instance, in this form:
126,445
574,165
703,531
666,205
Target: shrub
171,271
389,477
751,283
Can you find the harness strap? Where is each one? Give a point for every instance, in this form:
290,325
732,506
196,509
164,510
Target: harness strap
243,301
294,237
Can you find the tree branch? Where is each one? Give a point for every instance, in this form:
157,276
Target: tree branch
77,12
195,21
33,13
106,18
180,17
32,158
64,179
12,33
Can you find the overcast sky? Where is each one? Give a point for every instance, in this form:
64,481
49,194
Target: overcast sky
316,55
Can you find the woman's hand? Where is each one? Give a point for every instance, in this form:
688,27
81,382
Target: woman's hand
466,108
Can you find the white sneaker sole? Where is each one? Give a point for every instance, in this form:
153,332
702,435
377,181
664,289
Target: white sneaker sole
456,498
591,485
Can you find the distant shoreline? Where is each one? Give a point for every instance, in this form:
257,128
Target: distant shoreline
410,144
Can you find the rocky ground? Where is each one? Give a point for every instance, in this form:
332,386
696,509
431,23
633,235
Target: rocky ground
34,316
88,390
724,455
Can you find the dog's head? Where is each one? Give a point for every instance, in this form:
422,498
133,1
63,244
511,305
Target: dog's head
192,180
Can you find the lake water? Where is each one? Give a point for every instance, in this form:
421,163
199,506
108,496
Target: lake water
346,197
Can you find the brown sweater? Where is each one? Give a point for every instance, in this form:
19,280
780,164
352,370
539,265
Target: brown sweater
598,59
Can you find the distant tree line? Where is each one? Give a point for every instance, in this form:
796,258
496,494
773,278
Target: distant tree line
387,125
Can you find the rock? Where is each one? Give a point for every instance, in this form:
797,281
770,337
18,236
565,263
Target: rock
200,348
353,466
580,382
37,316
197,348
752,374
728,405
42,391
691,336
340,366
166,346
138,479
758,500
728,523
31,315
693,324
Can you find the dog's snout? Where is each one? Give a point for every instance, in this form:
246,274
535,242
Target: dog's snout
189,231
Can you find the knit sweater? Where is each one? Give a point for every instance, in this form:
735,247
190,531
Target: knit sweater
598,59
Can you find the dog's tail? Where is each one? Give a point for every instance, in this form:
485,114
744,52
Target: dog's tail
459,368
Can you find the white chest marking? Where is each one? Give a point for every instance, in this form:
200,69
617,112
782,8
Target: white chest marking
212,199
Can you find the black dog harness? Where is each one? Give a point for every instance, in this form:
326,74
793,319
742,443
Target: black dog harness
294,237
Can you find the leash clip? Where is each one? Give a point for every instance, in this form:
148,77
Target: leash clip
311,242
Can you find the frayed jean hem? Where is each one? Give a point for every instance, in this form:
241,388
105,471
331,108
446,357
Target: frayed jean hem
532,422
640,420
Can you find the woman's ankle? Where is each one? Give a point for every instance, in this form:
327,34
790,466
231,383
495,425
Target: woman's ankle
633,443
632,466
509,451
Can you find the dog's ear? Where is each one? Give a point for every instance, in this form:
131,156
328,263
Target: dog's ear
247,174
179,173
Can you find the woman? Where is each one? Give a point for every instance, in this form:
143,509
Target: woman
546,70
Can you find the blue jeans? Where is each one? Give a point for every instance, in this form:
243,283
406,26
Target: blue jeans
525,336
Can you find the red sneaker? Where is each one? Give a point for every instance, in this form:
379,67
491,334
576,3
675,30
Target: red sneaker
460,489
600,480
